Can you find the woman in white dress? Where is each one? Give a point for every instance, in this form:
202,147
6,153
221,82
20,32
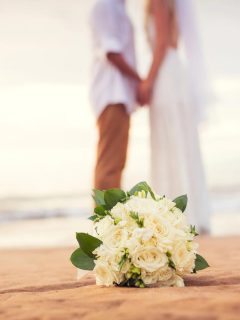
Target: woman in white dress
176,164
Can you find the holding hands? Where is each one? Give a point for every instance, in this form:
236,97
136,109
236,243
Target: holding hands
144,92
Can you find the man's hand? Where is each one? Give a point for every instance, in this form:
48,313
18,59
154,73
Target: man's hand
144,92
118,60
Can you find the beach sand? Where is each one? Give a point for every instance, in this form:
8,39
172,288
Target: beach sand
40,284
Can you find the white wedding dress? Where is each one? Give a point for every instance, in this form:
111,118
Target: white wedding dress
176,164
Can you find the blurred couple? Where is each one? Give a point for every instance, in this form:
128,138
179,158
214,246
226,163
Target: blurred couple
172,92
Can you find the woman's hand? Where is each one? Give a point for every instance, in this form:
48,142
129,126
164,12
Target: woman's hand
144,93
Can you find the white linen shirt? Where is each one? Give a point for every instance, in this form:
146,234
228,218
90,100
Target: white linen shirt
112,31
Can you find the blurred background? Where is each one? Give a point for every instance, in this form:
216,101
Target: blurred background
47,128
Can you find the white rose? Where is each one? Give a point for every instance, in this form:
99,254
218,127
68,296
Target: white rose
183,259
105,252
162,233
116,237
174,281
142,234
180,235
178,282
104,226
161,275
119,211
115,259
180,219
165,273
104,274
165,245
119,277
164,205
149,277
149,258
159,224
153,242
177,218
163,228
192,246
144,206
132,244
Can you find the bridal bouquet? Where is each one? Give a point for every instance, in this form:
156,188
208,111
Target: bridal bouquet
141,240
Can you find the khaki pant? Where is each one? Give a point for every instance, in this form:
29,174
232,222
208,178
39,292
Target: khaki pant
113,125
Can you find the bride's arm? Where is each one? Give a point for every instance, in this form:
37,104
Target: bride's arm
161,25
160,16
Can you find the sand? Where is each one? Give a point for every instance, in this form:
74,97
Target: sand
40,284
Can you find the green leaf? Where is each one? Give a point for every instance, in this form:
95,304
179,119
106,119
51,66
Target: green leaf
88,243
122,261
100,213
181,202
142,186
200,263
135,216
100,210
171,264
93,218
138,187
82,261
98,196
113,196
151,193
193,230
135,270
128,195
168,254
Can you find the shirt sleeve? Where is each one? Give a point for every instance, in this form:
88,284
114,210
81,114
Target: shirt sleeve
106,26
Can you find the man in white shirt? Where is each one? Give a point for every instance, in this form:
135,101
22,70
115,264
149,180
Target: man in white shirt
113,88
